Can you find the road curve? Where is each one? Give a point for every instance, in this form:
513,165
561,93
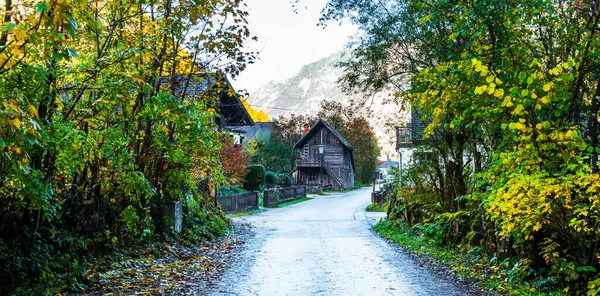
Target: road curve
325,246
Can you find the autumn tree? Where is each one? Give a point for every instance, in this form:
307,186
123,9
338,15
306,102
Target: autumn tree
256,115
510,87
234,161
275,149
97,128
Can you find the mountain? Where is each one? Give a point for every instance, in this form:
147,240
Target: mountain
315,82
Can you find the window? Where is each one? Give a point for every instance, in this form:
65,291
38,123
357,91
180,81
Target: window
312,177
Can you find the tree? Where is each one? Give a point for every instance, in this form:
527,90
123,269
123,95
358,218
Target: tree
235,163
97,131
273,152
257,115
511,86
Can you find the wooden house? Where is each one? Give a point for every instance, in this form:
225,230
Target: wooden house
207,86
324,153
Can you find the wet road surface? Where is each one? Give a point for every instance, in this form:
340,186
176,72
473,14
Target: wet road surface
325,246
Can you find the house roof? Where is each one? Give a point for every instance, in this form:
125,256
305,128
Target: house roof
313,130
387,164
230,106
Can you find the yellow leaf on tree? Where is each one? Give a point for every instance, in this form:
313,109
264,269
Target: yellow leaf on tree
499,93
16,51
33,111
20,34
547,86
16,122
518,110
545,100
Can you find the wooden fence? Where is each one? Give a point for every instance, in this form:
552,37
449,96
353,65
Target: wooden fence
278,195
238,202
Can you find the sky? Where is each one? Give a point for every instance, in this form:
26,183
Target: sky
288,40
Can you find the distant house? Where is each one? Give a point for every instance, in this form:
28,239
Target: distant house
323,149
384,168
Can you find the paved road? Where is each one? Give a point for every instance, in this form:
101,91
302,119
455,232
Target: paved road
325,246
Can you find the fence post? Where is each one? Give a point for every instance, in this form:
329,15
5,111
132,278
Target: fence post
266,199
234,202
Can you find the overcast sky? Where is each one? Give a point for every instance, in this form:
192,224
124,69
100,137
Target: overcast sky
288,40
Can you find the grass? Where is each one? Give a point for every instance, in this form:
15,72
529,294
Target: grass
509,277
339,191
252,212
295,201
376,208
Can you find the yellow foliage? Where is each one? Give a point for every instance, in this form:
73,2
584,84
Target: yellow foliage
257,115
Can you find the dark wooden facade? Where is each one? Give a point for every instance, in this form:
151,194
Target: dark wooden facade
337,161
231,111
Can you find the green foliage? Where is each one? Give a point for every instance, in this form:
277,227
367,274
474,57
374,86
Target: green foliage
202,220
97,132
275,178
284,179
510,92
376,208
230,190
255,179
509,277
271,178
273,151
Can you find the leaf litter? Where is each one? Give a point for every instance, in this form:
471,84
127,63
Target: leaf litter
175,268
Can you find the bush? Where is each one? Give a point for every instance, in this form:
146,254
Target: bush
376,208
272,178
230,190
255,177
284,179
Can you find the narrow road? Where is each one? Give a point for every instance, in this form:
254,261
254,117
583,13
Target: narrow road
325,246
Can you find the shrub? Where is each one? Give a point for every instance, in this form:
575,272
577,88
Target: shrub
255,177
230,190
272,178
284,179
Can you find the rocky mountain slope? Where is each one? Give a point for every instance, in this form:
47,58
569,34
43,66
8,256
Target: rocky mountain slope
315,82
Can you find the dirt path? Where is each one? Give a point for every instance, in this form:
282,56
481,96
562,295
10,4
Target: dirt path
324,246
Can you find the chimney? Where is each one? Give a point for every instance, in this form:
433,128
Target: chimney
306,128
